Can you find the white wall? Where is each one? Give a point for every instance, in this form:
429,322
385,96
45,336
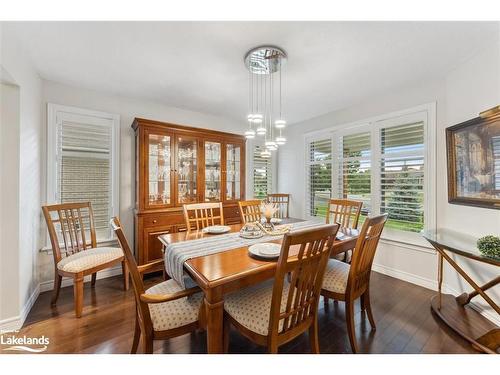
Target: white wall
17,66
9,200
472,87
127,108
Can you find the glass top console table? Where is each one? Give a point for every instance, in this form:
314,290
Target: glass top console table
454,311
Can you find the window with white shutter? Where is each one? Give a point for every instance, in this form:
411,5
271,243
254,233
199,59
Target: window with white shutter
82,162
402,176
385,162
319,176
262,174
355,169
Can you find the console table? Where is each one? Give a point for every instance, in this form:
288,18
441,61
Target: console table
454,311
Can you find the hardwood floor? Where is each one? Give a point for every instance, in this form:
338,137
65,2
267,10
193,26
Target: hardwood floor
402,313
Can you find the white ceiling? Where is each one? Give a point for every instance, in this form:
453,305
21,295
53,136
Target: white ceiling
199,65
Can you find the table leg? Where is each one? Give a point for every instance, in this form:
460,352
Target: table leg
440,277
214,305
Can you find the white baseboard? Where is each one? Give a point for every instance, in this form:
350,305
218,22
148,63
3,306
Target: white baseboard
405,276
432,285
67,281
16,322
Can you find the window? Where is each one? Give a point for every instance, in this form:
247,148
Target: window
82,163
402,176
384,162
319,176
355,169
262,174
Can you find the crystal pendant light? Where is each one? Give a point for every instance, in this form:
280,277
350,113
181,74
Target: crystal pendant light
262,62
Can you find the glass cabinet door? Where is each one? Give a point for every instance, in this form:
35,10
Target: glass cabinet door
186,170
212,171
159,168
233,173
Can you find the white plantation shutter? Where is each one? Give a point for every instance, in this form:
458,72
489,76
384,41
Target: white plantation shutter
262,174
319,176
355,168
402,176
83,149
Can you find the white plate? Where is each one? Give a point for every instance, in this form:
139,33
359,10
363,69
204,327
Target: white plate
217,229
276,220
266,250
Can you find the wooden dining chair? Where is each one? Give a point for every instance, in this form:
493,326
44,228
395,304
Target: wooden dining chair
200,215
344,282
275,312
282,202
163,311
346,212
74,246
250,210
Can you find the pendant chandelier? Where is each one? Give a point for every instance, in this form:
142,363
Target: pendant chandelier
265,107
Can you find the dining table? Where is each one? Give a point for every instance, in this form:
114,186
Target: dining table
229,271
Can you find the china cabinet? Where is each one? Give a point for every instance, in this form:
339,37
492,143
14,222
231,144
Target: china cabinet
176,165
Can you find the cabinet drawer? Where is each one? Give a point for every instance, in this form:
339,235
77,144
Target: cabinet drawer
161,220
231,213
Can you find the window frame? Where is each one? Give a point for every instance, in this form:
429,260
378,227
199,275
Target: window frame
425,113
55,110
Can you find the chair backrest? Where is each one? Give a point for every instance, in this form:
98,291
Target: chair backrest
282,202
363,254
200,215
306,271
250,210
71,228
135,275
345,212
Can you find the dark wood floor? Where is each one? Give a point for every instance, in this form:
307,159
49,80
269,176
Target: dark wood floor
402,312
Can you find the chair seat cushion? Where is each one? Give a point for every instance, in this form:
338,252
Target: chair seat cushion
251,307
336,275
176,313
88,259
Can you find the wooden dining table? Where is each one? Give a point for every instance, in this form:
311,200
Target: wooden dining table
229,271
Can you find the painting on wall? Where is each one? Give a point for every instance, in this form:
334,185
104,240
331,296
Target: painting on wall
473,149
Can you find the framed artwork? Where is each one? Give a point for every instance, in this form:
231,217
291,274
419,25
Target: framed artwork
473,149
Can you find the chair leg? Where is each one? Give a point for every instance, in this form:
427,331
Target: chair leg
57,289
226,330
349,315
362,302
313,336
368,306
93,280
326,300
272,348
137,335
126,276
78,293
147,344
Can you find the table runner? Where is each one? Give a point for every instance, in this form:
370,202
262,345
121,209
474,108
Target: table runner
178,253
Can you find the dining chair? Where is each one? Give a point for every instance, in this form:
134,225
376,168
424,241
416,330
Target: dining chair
200,215
346,212
344,282
163,311
275,312
74,247
250,210
282,202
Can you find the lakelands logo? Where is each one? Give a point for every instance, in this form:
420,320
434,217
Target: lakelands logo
23,343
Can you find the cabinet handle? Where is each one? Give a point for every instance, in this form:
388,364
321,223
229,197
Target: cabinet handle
155,221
